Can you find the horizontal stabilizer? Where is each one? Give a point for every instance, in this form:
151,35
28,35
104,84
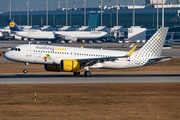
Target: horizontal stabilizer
160,59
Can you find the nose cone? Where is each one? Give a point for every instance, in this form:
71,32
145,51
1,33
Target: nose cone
7,55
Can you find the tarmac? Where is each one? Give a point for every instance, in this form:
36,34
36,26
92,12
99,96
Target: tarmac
95,78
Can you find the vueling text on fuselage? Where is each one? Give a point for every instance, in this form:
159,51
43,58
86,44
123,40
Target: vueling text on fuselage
50,48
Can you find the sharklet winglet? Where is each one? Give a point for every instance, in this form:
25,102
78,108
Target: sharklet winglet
131,51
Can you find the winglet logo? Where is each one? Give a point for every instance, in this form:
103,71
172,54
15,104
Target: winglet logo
157,37
47,57
11,24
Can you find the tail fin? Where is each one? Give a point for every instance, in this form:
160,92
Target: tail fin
13,25
153,48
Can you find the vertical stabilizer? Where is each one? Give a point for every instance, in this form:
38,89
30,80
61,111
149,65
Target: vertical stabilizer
153,48
13,25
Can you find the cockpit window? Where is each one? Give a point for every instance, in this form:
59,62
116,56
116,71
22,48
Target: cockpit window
16,49
12,48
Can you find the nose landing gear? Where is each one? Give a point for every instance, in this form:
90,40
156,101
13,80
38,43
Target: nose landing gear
25,68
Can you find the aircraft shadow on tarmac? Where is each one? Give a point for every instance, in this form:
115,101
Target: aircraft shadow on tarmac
81,76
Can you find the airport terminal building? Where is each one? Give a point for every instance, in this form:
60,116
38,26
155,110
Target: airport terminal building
145,16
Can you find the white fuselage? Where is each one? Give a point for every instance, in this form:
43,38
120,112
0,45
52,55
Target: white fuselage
43,54
51,35
83,34
35,34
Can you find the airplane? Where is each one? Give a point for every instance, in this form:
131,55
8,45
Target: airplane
1,35
5,34
66,35
81,35
30,34
72,59
174,39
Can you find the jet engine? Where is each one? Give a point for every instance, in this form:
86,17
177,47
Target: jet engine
65,65
70,65
70,38
17,37
52,68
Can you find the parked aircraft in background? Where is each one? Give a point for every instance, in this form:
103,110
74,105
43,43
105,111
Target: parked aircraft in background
71,59
174,38
5,34
63,35
1,35
32,34
81,35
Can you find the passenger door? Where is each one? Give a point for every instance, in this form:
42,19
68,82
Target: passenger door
29,51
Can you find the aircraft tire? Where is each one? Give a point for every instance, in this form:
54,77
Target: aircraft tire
87,73
25,71
76,73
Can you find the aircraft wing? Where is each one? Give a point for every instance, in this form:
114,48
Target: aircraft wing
57,34
92,61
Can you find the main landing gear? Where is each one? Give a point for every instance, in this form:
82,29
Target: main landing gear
76,73
25,68
87,72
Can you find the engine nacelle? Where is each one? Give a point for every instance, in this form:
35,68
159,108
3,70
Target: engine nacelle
65,65
70,66
70,38
17,37
52,68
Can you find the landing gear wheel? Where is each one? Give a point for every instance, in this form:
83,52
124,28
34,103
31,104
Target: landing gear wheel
25,68
87,73
76,73
25,71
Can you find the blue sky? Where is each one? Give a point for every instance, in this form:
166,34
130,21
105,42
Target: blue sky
53,4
